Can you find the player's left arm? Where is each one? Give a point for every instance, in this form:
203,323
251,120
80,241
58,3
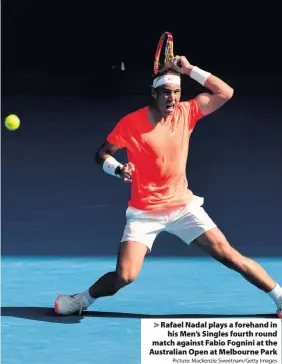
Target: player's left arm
221,92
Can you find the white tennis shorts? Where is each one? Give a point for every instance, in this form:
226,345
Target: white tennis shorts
187,222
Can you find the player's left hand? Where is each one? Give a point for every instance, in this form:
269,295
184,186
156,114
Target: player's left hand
181,64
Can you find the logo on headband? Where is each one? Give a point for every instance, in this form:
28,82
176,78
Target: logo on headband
169,79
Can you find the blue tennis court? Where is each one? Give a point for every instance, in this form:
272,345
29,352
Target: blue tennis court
110,331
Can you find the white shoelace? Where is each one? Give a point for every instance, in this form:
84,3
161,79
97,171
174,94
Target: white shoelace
78,298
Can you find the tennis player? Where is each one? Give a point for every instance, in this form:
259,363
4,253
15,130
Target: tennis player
157,139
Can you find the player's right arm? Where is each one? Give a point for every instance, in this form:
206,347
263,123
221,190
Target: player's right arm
104,157
105,151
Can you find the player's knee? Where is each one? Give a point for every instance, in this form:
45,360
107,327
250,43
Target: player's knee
127,275
228,256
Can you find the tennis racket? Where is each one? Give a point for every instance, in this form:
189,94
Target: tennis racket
164,52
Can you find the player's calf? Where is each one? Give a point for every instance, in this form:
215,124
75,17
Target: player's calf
215,243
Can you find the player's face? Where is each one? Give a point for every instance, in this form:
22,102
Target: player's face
168,96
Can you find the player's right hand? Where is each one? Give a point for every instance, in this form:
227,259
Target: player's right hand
126,172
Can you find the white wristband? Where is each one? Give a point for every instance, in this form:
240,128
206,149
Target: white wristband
109,166
199,75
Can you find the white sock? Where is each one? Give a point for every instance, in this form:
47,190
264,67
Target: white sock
89,299
276,295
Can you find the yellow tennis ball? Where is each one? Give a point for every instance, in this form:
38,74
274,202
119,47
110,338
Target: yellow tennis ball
12,122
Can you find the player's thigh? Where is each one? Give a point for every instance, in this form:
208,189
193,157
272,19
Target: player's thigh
130,259
215,243
140,232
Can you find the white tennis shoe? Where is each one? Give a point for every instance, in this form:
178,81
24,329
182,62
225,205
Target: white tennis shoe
70,304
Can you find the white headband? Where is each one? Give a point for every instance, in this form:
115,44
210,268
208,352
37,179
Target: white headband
165,79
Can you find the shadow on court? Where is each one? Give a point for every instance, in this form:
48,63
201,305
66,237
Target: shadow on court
47,314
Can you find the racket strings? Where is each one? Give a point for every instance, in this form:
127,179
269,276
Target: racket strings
164,52
168,52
